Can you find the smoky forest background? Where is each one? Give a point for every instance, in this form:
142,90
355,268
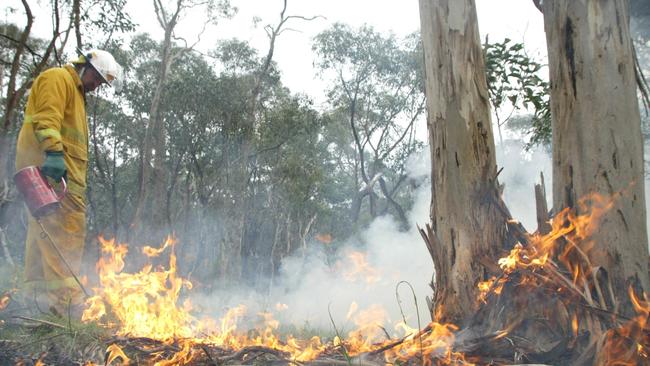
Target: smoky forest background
214,148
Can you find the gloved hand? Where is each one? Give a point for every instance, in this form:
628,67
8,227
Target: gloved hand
54,166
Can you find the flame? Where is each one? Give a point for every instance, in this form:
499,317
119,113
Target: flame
361,269
4,300
147,304
436,344
114,351
575,229
143,303
628,344
183,357
369,329
324,238
493,285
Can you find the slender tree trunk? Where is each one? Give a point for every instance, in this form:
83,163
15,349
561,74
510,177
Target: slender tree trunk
12,98
76,16
303,232
153,174
597,140
468,217
288,248
113,185
274,250
5,248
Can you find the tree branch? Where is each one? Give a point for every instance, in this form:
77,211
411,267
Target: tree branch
76,10
34,53
14,95
411,124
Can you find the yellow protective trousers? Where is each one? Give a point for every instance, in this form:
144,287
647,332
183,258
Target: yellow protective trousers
44,270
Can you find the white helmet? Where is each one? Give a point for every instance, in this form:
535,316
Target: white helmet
105,65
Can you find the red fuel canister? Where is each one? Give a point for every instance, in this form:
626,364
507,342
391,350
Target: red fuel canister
39,195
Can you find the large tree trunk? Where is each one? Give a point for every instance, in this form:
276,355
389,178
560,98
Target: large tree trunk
597,141
466,210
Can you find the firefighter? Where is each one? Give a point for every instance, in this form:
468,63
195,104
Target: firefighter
54,136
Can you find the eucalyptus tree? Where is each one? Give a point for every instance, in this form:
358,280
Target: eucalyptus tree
597,151
276,205
294,179
538,126
469,221
265,90
154,176
204,113
196,111
376,89
597,140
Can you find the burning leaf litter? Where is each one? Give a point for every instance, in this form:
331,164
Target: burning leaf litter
143,309
549,278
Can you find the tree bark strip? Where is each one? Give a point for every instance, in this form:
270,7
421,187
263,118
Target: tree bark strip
597,140
467,213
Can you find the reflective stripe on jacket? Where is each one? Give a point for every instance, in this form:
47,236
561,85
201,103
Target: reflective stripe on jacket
55,120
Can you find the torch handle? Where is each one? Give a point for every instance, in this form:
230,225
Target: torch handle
58,252
61,195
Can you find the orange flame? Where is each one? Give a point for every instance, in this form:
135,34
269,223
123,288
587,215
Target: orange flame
144,303
147,304
436,344
368,331
628,344
114,352
361,269
324,238
576,229
4,300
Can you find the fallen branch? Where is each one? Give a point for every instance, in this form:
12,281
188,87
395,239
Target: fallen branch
40,321
246,350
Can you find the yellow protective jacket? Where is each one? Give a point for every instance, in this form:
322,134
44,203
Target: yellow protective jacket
55,120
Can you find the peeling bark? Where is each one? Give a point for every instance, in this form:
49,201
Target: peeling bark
597,140
543,219
467,215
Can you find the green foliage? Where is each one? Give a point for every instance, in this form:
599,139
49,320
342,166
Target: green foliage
106,18
376,94
236,56
514,82
271,159
34,50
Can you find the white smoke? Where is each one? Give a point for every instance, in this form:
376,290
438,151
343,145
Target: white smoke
309,290
521,171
